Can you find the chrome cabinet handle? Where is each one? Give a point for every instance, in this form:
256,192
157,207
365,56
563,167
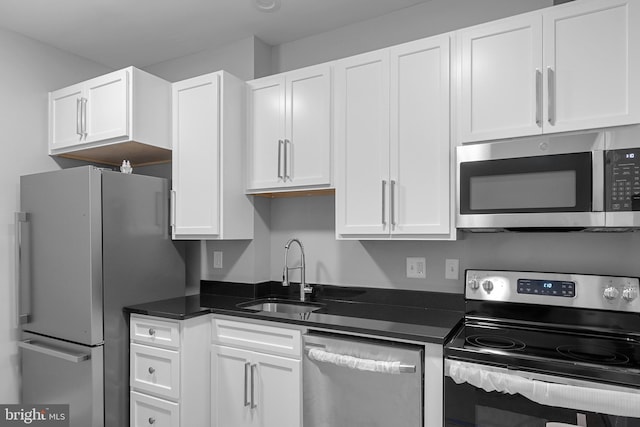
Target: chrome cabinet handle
152,420
246,384
152,331
254,405
79,116
69,357
280,174
392,200
551,86
21,318
538,97
287,160
173,208
84,117
151,370
384,202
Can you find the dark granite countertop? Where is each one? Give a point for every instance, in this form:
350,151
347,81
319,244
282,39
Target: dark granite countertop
408,315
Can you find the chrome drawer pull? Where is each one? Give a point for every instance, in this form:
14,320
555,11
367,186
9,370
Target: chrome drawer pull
151,370
152,420
152,331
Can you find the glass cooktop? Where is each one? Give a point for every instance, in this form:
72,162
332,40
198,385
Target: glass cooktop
606,357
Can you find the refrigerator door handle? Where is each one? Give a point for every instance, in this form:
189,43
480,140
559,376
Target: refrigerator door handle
71,357
21,318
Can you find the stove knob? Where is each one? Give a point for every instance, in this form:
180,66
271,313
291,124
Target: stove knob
629,294
473,284
487,285
611,293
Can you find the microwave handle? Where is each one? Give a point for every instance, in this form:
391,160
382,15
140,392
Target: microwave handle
597,161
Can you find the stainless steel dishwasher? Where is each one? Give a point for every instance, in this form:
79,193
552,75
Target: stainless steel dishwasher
352,382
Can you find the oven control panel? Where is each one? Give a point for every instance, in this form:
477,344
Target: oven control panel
614,293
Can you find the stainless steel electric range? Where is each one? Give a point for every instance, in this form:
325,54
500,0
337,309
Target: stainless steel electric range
545,350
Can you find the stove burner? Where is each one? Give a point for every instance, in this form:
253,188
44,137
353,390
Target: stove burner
593,354
495,342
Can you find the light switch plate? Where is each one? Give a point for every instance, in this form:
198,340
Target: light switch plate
416,268
217,259
451,269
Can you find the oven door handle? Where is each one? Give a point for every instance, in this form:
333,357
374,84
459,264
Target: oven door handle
580,395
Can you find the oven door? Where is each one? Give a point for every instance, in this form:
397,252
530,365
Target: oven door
544,182
486,396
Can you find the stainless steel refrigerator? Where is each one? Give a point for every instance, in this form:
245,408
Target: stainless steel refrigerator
88,242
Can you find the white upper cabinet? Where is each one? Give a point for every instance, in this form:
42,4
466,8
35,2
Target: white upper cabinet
362,144
592,65
501,78
569,67
289,126
121,115
393,168
208,200
420,143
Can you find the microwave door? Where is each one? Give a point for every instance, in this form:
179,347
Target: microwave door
547,191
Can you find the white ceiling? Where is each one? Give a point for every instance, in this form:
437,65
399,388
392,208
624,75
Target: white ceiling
118,33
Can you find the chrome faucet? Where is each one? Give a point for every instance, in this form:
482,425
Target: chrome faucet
304,287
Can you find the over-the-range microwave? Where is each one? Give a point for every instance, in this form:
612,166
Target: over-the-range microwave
583,182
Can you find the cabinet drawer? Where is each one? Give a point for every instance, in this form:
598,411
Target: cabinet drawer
155,370
148,411
263,338
155,331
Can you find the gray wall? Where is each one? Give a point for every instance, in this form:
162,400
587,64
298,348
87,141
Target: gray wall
247,59
425,19
29,71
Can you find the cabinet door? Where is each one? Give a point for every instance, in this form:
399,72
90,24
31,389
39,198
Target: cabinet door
155,370
266,133
65,116
277,390
420,144
308,127
362,144
592,65
500,79
231,387
149,411
196,157
107,105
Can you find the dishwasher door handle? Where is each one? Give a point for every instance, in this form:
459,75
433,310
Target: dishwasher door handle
320,355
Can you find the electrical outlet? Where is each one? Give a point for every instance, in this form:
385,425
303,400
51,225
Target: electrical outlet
217,259
416,268
451,267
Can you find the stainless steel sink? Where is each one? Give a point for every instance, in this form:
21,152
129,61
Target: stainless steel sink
277,305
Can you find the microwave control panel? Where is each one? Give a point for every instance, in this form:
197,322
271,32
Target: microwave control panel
622,180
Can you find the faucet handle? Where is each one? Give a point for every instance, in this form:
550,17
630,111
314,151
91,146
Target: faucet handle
308,289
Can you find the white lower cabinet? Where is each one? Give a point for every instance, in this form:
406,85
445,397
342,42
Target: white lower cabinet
169,368
150,411
255,375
